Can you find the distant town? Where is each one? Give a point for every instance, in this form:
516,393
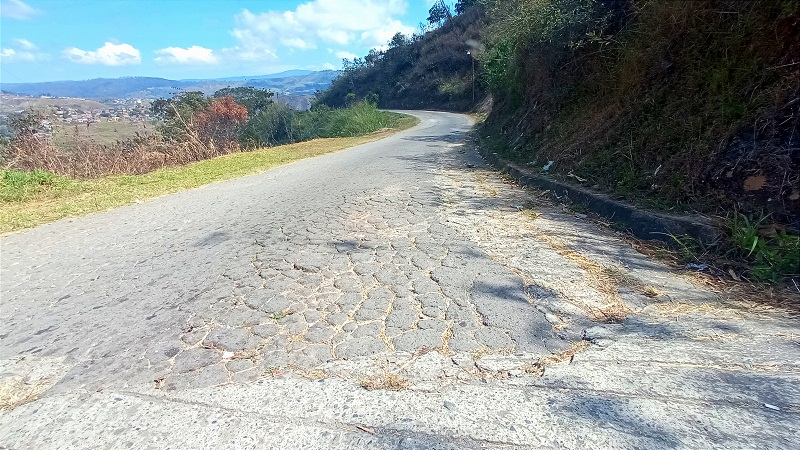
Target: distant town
128,110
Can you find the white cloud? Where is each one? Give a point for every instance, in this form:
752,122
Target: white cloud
24,43
345,55
9,54
21,50
17,9
107,55
192,55
297,43
367,23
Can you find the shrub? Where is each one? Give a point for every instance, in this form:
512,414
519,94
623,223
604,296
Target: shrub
218,125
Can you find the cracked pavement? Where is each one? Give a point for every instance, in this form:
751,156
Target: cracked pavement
248,314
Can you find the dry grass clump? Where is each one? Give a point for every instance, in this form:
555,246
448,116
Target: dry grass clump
389,381
537,368
16,391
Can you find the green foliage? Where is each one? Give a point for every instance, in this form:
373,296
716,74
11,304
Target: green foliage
454,86
279,124
249,116
399,40
17,185
255,100
462,5
668,104
562,23
499,70
357,120
27,123
772,255
274,125
439,13
177,113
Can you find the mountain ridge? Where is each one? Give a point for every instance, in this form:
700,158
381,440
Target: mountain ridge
294,82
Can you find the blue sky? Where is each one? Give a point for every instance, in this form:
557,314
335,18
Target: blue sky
47,40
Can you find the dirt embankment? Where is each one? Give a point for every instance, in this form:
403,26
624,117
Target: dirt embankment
676,106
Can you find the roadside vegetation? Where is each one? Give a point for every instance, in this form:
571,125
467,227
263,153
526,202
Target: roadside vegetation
674,106
200,140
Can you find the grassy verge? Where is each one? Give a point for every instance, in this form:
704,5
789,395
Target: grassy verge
30,200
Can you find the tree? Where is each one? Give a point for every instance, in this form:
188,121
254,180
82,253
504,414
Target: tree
439,13
399,40
275,125
373,57
463,5
219,124
255,100
28,124
177,113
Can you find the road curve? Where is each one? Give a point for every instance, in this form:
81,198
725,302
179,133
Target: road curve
247,314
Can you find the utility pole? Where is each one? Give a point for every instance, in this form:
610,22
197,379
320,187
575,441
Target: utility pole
473,75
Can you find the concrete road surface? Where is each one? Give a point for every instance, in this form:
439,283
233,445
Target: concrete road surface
396,295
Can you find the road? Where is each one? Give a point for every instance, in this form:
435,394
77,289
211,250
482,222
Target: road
399,294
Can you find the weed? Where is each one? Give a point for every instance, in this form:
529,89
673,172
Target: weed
619,226
281,314
538,367
650,291
771,254
689,248
272,371
580,208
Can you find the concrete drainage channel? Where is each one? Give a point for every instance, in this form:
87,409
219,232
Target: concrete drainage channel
646,225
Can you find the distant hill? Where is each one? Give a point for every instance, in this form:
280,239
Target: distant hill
284,74
15,103
290,83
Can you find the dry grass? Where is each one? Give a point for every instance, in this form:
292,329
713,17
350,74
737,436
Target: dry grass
604,280
566,356
25,379
678,308
70,197
69,136
16,391
622,279
88,159
389,381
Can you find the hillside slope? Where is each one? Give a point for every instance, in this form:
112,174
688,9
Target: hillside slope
429,71
672,105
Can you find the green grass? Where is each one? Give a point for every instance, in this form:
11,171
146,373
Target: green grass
29,199
17,185
356,120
